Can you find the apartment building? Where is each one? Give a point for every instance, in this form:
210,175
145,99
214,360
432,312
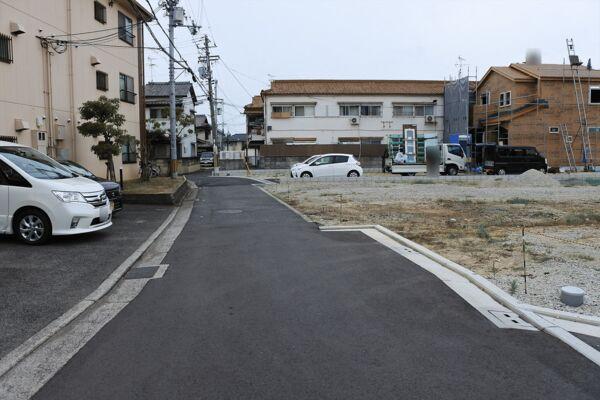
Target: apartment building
57,54
524,104
157,112
351,111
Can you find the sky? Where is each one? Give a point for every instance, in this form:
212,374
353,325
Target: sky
261,40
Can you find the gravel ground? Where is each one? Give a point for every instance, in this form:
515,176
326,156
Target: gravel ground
476,221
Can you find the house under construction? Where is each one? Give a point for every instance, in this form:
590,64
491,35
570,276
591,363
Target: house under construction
534,104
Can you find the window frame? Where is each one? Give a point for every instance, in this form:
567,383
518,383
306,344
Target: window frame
125,90
102,18
127,155
303,106
125,35
485,95
359,109
105,76
590,96
502,101
6,49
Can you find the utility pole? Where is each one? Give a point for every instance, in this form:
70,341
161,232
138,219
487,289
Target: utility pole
211,96
171,7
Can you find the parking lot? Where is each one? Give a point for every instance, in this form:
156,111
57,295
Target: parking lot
40,283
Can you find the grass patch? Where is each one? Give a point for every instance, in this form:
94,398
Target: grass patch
482,232
583,257
582,218
519,200
159,185
513,287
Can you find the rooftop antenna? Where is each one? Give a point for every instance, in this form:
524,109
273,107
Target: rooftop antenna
151,65
459,65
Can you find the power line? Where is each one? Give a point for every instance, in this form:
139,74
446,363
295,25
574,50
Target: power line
236,78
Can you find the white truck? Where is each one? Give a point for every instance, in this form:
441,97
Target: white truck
452,156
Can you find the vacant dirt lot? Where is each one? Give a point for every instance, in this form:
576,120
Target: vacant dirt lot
478,222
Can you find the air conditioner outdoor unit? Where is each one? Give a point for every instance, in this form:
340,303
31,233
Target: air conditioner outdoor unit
354,121
430,119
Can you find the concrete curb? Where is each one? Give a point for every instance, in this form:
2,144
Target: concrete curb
492,290
258,180
27,347
564,315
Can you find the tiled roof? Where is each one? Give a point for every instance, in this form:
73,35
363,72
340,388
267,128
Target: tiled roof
256,105
354,87
163,89
201,121
238,137
512,73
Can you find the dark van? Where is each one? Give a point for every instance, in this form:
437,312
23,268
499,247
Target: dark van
502,160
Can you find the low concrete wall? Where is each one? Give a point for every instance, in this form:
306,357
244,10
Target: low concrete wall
231,164
159,198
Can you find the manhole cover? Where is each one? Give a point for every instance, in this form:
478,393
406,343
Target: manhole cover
229,211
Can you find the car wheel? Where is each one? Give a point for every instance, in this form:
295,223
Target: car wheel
451,170
501,171
353,174
32,226
306,175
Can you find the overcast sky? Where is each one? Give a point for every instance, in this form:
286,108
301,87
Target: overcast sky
377,39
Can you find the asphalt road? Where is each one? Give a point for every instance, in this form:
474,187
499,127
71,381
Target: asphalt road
258,304
40,283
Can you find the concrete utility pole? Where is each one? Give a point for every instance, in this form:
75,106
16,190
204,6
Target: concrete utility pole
171,6
211,96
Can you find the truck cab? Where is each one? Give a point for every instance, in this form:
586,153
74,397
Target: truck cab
452,161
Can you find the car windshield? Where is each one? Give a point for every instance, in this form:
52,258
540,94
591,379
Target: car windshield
78,169
34,163
206,155
310,159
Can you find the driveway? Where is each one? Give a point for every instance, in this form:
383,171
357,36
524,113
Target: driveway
40,283
258,304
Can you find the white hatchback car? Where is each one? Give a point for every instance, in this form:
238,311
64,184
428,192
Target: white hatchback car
39,197
327,165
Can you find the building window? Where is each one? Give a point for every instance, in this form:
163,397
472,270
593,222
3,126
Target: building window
370,111
129,151
485,98
410,110
505,99
595,95
155,113
101,80
281,111
592,129
554,130
349,110
99,12
125,28
364,110
126,88
304,111
6,50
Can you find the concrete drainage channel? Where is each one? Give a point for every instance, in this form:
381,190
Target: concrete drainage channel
513,313
27,368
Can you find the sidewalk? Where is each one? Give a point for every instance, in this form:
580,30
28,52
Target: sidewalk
38,284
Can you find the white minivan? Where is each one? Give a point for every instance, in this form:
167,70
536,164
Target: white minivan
39,197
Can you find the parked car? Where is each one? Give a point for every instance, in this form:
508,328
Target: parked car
502,160
207,159
307,161
112,189
328,165
40,197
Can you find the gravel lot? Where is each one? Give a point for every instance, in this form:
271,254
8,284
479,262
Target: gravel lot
477,222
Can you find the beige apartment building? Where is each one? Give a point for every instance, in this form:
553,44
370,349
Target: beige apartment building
57,54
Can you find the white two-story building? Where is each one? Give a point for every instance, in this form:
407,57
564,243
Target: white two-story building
351,111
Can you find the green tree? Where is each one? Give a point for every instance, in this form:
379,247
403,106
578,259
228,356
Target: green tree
103,120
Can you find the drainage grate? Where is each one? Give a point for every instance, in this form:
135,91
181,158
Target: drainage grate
509,319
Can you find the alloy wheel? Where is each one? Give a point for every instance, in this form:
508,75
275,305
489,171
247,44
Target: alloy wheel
31,228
